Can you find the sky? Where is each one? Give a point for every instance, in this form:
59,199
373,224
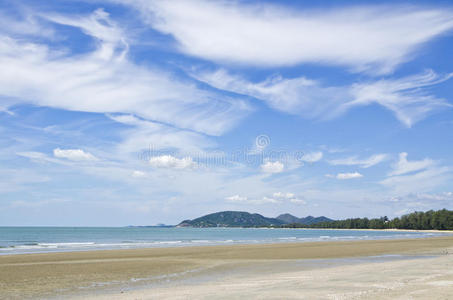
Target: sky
134,112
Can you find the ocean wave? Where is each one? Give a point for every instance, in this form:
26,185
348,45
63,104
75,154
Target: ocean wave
191,237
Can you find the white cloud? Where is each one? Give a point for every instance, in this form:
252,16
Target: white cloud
283,195
23,24
138,174
416,176
74,154
291,197
107,81
405,97
372,38
343,176
38,203
430,197
364,163
297,201
276,198
35,156
98,24
312,157
245,200
422,181
272,167
236,198
39,157
404,166
147,135
300,96
171,162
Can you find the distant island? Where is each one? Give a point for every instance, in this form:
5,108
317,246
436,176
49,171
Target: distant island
245,219
429,220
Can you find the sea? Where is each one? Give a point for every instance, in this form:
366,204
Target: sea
17,240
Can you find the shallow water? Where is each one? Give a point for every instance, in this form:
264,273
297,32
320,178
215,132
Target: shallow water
15,240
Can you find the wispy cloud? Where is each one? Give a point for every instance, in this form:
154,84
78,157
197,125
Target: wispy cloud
405,97
416,176
354,161
275,198
107,81
246,200
403,166
312,157
147,135
343,176
301,96
371,38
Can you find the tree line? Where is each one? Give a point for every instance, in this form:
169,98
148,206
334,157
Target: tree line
438,220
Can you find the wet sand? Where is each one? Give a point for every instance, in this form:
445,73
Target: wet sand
258,271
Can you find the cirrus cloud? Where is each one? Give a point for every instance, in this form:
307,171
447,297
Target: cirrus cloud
106,80
405,96
364,38
363,163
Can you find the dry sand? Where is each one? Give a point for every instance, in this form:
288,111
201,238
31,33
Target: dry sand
254,271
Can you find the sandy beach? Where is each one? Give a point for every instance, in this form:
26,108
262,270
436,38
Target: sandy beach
290,270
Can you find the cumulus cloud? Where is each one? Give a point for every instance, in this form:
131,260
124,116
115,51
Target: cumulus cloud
353,175
272,167
364,163
171,162
74,154
370,38
405,97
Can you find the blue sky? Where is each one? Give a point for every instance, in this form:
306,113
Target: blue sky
144,112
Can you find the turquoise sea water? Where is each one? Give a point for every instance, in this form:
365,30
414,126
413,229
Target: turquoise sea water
14,240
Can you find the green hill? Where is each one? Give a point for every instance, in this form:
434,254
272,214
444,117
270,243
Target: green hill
232,219
245,219
290,219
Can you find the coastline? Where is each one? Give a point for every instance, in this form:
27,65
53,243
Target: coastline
77,240
106,271
389,229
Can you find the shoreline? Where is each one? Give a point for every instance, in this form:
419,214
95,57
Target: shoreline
387,229
64,273
93,246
